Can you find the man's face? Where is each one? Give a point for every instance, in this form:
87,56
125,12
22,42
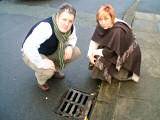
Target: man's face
65,21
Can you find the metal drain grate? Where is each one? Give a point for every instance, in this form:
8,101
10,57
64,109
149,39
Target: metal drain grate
76,104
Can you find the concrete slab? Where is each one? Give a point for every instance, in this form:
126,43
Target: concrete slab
102,111
105,102
157,17
107,93
143,97
147,22
148,25
145,16
149,6
158,27
135,109
136,101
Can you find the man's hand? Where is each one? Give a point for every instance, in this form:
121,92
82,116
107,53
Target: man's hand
48,64
68,53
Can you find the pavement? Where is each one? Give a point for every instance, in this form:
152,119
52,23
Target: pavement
129,100
21,99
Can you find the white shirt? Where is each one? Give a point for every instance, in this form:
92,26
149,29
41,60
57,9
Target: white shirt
38,36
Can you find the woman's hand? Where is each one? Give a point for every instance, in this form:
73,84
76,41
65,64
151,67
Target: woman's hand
97,52
92,51
68,53
92,59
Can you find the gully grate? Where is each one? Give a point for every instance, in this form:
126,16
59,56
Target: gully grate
76,104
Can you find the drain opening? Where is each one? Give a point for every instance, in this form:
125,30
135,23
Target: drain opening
75,104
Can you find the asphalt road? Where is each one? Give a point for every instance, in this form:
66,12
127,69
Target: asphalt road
20,98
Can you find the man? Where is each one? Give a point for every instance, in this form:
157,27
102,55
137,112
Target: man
50,44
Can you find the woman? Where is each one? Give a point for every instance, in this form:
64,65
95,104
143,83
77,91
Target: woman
50,44
113,51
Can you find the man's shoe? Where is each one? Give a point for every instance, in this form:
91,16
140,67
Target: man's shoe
58,75
44,87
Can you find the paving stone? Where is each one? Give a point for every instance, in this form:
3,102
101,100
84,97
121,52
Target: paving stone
137,101
158,26
135,109
102,111
108,92
146,26
157,17
145,16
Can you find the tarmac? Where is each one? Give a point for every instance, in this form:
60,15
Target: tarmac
130,100
20,98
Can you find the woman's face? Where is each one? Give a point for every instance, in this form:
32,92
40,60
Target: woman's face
106,22
65,21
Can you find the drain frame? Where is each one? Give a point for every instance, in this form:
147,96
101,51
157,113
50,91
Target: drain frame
76,104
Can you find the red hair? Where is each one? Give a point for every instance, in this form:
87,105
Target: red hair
105,10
